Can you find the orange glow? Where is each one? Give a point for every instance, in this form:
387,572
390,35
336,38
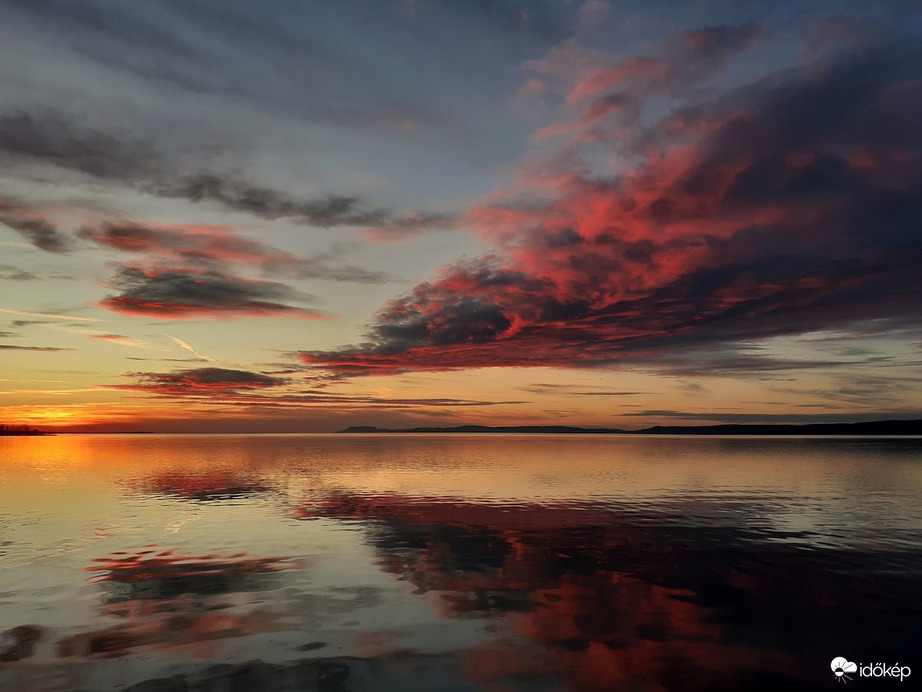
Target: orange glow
48,417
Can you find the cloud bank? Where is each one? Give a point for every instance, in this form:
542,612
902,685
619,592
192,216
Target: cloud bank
219,248
247,389
191,272
47,137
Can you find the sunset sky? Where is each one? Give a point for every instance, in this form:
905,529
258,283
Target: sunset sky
296,216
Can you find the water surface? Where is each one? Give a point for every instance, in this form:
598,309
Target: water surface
455,562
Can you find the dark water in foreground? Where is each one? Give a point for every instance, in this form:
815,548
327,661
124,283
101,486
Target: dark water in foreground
456,562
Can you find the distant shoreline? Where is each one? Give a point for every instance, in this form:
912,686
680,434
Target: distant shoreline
910,428
870,428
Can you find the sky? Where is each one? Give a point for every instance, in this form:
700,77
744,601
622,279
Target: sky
298,216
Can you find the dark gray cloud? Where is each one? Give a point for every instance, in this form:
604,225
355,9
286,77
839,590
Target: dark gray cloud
33,227
50,349
52,137
204,380
177,293
25,323
10,273
325,211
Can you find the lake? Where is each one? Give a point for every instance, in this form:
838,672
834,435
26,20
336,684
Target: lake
456,562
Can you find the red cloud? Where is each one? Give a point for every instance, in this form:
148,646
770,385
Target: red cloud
784,207
218,248
604,80
182,242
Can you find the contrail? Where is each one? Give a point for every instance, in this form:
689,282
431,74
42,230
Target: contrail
13,243
4,379
183,344
44,314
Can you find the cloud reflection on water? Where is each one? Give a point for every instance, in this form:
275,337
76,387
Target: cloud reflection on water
391,563
601,599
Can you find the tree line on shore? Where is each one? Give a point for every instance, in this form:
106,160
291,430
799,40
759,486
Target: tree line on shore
13,429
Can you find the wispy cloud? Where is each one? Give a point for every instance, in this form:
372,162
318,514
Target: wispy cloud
730,418
575,390
124,340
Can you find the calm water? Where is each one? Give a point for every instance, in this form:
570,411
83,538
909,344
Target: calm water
339,562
